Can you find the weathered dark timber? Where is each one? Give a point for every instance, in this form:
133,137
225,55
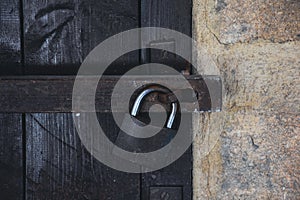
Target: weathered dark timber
57,37
59,167
54,94
10,42
60,34
175,181
159,192
177,174
171,14
11,165
11,133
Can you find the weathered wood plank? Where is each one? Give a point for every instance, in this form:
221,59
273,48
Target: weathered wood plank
57,37
54,94
177,175
11,165
59,167
173,181
60,34
10,43
171,14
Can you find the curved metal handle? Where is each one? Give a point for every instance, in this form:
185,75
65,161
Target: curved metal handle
172,115
142,95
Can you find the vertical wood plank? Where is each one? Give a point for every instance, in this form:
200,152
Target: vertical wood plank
10,44
171,14
177,175
59,167
11,165
175,15
60,34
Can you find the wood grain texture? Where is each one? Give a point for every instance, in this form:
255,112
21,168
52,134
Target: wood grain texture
177,174
175,15
54,94
11,165
60,34
10,43
171,14
59,167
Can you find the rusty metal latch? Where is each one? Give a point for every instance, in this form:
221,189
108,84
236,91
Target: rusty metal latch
54,93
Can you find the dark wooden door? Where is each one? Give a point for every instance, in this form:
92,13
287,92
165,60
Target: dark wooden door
41,155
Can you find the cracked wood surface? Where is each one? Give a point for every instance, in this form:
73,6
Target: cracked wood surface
11,157
59,167
57,37
50,38
11,133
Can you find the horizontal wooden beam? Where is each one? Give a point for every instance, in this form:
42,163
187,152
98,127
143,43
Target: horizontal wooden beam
28,94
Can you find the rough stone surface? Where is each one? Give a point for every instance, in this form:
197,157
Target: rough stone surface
250,150
243,21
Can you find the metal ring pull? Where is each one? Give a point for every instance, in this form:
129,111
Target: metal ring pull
142,95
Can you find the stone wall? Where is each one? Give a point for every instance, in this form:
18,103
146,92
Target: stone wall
250,150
